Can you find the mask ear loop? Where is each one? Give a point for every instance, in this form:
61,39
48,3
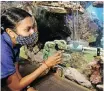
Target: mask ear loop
14,30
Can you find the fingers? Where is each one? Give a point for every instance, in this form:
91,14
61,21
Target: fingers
58,61
58,53
59,57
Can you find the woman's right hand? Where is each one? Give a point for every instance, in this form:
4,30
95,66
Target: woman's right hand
54,60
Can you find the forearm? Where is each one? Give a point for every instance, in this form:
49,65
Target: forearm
44,73
31,77
17,71
19,75
15,84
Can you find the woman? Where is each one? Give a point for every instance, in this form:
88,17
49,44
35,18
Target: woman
18,28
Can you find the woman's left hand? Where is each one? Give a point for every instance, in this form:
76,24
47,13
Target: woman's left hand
31,89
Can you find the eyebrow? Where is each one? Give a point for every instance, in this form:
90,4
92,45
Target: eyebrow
28,27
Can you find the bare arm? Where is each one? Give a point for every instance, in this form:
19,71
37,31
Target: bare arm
16,84
17,71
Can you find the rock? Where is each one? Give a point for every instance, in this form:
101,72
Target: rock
57,10
73,74
61,7
98,4
96,69
100,87
34,54
77,61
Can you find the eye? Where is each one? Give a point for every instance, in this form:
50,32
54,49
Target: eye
34,25
28,29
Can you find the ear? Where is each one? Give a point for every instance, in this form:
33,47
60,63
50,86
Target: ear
10,32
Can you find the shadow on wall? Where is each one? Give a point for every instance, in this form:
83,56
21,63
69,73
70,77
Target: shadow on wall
52,26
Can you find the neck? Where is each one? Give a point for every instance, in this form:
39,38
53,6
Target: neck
13,42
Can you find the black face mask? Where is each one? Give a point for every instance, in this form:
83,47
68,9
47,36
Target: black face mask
27,40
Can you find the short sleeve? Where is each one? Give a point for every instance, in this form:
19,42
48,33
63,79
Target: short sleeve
7,65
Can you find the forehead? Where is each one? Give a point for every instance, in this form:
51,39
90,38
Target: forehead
27,22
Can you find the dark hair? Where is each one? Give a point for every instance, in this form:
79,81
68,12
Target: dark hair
10,17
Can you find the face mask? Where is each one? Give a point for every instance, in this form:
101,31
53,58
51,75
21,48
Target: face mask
27,40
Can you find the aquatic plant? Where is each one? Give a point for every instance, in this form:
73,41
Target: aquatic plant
51,47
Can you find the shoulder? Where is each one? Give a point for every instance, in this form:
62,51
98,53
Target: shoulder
6,52
5,48
7,65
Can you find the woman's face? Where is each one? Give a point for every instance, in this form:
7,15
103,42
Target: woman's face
25,27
